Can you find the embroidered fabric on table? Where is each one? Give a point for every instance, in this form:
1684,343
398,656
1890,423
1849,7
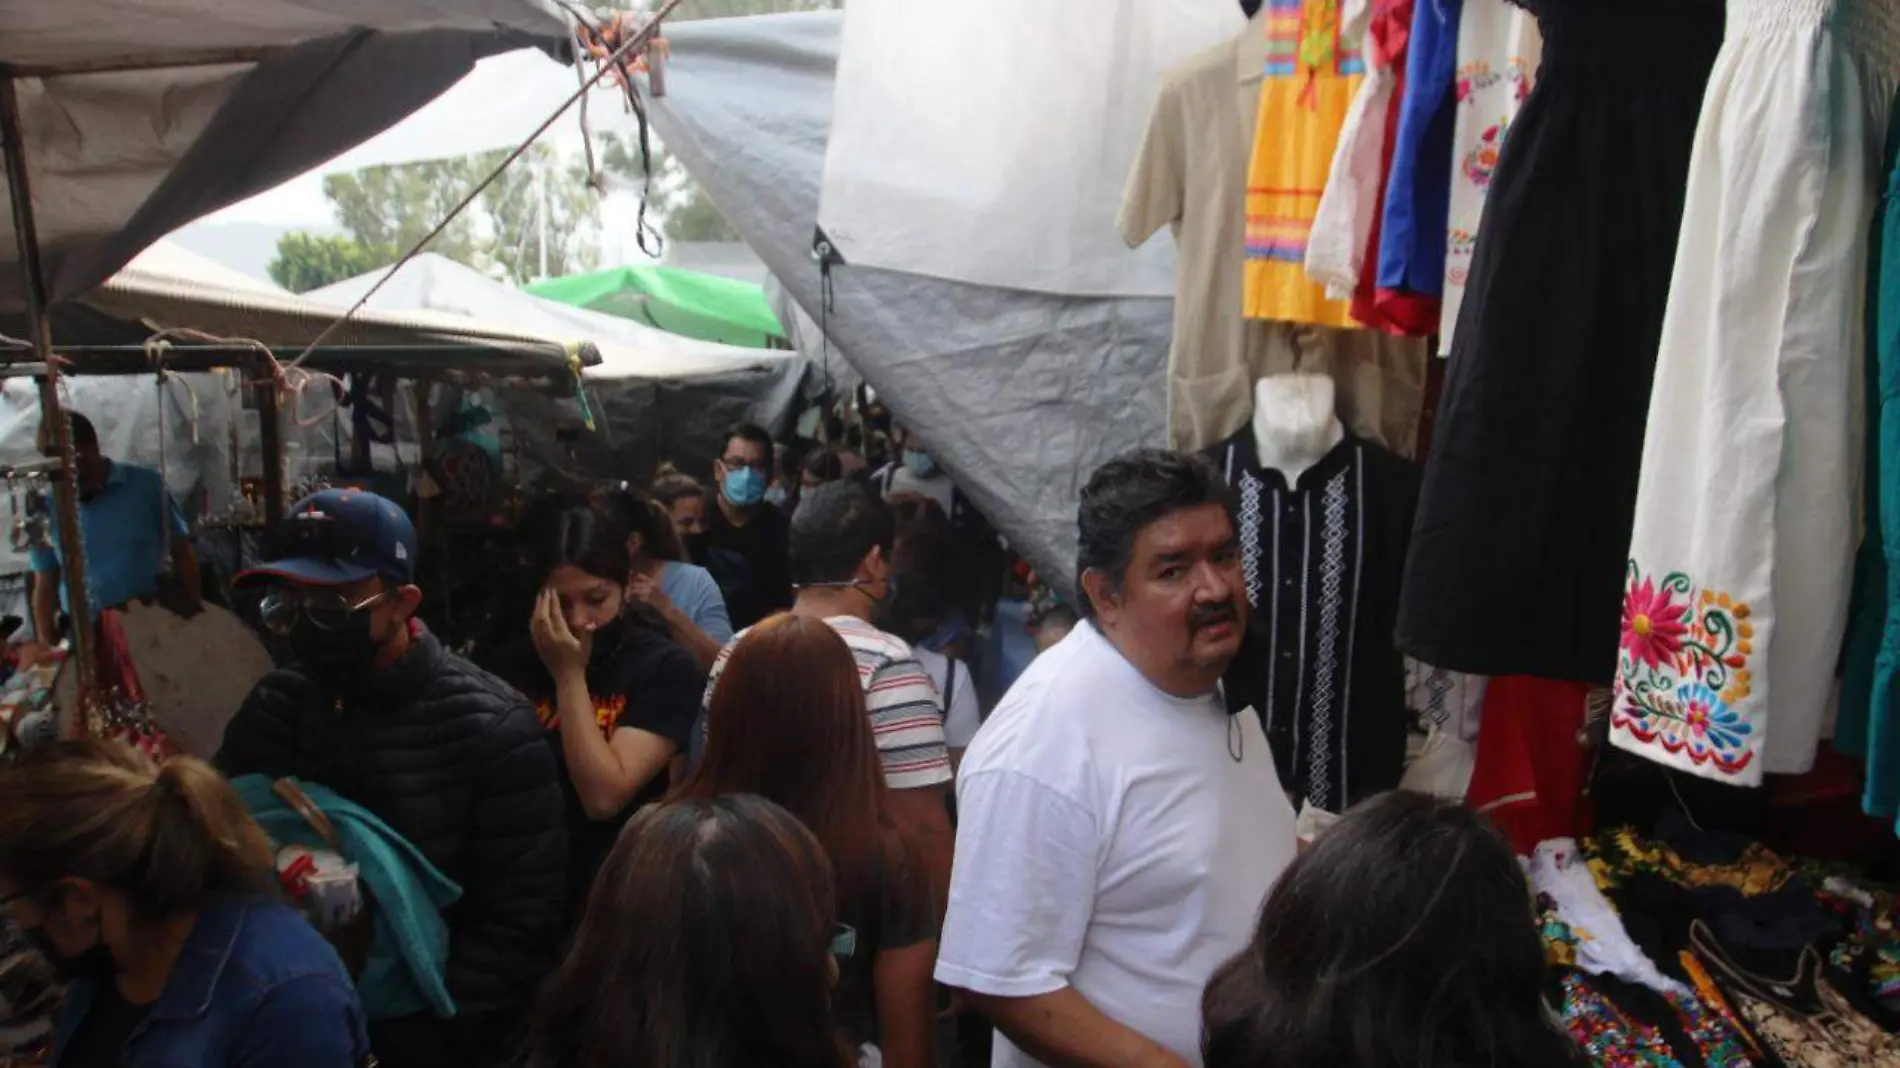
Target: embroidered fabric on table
1758,869
1614,1039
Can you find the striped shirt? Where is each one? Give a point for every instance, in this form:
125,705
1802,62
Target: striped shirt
906,713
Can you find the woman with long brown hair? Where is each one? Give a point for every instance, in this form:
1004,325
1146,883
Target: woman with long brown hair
150,888
708,942
787,721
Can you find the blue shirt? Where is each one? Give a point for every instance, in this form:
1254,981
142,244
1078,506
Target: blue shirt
122,528
255,987
692,590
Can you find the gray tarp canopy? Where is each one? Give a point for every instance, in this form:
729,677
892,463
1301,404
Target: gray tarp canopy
1021,395
141,115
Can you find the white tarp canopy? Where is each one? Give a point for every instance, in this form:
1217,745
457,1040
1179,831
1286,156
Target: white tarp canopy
989,141
192,105
168,287
496,106
1020,394
628,350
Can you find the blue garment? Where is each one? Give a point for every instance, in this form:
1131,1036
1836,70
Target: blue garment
1412,237
692,589
409,948
125,545
1869,721
255,987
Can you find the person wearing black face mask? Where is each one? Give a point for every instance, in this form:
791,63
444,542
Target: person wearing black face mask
446,754
150,890
841,542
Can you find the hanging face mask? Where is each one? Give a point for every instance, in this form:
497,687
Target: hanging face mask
745,488
921,464
880,605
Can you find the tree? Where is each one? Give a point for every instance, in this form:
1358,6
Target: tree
309,261
389,209
386,210
541,181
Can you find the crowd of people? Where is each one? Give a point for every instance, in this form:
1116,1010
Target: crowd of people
725,795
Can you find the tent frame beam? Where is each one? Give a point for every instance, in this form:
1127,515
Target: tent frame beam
121,64
65,490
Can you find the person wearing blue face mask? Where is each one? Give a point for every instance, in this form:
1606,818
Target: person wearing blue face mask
749,527
916,474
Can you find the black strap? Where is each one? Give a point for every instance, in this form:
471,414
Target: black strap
949,685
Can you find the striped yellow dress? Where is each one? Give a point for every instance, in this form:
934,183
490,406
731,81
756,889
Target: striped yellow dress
1312,74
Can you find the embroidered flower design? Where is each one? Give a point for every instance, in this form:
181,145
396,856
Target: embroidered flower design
1710,719
1683,667
1652,624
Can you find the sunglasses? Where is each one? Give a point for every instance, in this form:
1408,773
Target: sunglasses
280,610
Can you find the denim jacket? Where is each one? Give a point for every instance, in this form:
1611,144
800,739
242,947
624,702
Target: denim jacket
255,986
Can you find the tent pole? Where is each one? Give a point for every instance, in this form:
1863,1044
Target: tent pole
270,424
65,488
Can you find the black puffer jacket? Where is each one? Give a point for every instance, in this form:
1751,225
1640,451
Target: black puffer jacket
453,760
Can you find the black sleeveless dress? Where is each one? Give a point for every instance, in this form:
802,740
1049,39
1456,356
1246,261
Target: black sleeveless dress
1517,556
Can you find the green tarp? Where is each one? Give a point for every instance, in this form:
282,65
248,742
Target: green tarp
687,303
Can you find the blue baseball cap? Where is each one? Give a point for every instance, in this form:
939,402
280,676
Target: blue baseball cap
338,538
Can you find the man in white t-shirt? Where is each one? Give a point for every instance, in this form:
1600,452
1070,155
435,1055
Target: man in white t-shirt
1118,829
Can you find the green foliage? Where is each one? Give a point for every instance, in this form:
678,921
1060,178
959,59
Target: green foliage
308,261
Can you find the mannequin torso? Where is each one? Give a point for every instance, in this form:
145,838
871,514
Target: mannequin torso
1294,423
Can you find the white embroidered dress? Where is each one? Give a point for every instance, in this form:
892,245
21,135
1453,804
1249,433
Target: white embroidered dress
1746,517
1499,48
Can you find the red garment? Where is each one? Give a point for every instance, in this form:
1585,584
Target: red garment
1403,314
1531,766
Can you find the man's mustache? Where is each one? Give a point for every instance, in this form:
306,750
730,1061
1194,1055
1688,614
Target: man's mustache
1211,615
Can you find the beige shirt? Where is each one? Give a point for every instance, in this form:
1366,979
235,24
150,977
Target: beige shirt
1191,174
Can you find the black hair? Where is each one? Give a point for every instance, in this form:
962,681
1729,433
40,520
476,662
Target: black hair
1405,935
637,513
751,432
823,465
836,527
925,563
834,430
1128,493
84,435
574,532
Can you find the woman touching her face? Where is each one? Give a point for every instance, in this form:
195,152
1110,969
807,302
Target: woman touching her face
617,696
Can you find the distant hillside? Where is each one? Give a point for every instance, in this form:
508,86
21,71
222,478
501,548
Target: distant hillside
242,246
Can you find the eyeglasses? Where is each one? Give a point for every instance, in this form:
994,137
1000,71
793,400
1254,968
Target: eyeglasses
843,940
280,609
735,464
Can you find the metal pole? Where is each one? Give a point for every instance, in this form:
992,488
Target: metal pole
72,548
270,415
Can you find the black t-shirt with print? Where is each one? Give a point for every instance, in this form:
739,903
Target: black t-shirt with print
638,679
